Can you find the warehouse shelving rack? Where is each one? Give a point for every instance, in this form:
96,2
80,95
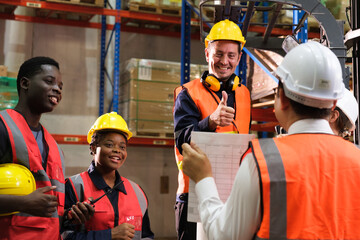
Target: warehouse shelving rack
171,26
50,9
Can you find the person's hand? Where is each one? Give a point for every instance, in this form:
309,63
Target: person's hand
195,162
38,203
81,212
223,115
124,231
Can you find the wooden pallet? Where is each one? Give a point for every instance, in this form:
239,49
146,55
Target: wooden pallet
154,129
63,15
153,134
89,3
155,9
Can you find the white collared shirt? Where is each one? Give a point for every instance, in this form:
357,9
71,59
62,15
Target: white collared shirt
240,216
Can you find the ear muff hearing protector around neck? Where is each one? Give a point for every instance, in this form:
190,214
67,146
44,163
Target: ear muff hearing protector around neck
213,83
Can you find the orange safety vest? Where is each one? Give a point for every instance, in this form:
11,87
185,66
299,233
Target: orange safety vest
207,102
25,151
134,203
309,187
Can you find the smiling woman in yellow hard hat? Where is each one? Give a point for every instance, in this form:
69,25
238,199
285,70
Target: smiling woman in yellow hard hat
120,204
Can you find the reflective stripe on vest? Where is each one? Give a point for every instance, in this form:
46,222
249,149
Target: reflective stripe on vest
21,140
21,153
205,101
140,196
308,187
103,221
277,190
78,186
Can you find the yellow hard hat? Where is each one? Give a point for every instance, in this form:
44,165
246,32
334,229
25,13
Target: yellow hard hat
15,179
109,121
225,30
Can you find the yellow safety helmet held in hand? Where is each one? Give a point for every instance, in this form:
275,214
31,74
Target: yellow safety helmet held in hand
225,30
109,121
15,179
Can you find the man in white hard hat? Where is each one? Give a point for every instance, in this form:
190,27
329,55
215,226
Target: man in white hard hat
343,117
300,186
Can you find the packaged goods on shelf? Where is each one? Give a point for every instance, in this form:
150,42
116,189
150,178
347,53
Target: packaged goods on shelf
91,3
3,71
144,2
149,118
165,7
336,7
170,3
147,95
8,93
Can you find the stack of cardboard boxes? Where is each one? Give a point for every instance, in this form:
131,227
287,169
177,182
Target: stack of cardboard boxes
166,7
147,95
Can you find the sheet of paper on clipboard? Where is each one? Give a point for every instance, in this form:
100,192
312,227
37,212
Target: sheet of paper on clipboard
224,152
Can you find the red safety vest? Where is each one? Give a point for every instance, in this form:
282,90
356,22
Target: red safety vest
134,203
309,187
25,151
207,102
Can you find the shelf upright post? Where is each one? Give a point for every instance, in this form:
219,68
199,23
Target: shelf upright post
185,41
265,13
355,24
115,100
102,62
302,36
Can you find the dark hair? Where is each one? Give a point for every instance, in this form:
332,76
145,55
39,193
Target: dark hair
99,135
306,111
342,123
32,66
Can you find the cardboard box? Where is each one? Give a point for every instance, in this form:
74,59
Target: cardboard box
148,128
146,118
146,110
12,74
3,71
144,2
137,89
156,70
147,95
91,3
170,3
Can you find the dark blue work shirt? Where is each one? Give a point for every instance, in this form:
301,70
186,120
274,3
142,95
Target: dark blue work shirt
187,117
99,182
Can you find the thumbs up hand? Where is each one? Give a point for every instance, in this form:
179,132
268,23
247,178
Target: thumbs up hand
223,115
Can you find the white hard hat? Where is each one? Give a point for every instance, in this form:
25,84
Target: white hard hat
349,106
312,75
